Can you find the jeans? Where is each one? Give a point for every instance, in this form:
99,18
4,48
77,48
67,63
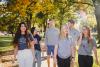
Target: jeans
38,58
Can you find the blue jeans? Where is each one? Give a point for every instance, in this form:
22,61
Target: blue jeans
38,58
50,49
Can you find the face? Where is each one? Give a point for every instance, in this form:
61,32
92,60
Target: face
85,31
70,24
64,30
51,23
35,32
23,28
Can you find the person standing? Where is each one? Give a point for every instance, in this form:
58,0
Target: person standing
87,44
23,46
37,40
75,34
64,51
51,39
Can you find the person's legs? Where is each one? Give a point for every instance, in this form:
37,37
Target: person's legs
52,51
28,58
20,59
60,62
89,61
34,63
81,61
48,55
67,62
48,60
38,57
54,64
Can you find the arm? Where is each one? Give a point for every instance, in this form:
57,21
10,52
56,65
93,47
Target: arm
55,53
95,49
95,53
73,51
31,43
15,53
32,46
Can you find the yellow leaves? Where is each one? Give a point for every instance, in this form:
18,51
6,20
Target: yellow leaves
50,6
21,6
22,13
38,7
26,2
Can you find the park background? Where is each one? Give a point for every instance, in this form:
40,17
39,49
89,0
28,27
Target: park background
36,12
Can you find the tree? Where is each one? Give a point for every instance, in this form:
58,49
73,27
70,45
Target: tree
36,12
97,14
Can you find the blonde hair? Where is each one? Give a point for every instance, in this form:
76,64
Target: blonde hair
62,34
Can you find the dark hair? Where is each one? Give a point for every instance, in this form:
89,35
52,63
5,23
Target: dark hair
32,29
71,21
89,34
18,34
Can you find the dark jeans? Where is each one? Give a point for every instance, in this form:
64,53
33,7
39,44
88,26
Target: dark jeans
85,61
63,62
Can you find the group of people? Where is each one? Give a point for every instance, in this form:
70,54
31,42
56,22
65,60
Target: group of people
61,45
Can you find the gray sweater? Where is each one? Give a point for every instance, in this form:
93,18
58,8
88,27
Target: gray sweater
64,47
51,36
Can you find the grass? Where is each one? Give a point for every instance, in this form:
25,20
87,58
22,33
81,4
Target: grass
5,43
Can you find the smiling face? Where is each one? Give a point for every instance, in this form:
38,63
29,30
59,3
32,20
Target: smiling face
23,28
64,31
85,31
51,23
70,24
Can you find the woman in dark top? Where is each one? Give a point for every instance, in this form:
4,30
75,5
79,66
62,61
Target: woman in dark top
23,46
37,39
87,44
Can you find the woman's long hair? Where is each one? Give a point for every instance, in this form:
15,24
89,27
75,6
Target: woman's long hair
18,34
89,34
61,32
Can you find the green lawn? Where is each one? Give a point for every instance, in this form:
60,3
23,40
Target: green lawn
5,43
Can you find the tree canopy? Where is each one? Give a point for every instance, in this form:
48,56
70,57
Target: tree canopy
36,12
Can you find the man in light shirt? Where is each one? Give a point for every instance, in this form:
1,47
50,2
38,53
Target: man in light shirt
51,39
74,33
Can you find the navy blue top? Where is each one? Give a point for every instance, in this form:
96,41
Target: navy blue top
37,38
22,44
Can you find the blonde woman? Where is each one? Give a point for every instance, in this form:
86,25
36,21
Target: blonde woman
64,51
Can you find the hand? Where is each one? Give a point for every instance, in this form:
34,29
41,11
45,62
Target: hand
97,62
14,58
72,60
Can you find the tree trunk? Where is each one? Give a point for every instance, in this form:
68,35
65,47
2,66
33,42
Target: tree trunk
97,14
